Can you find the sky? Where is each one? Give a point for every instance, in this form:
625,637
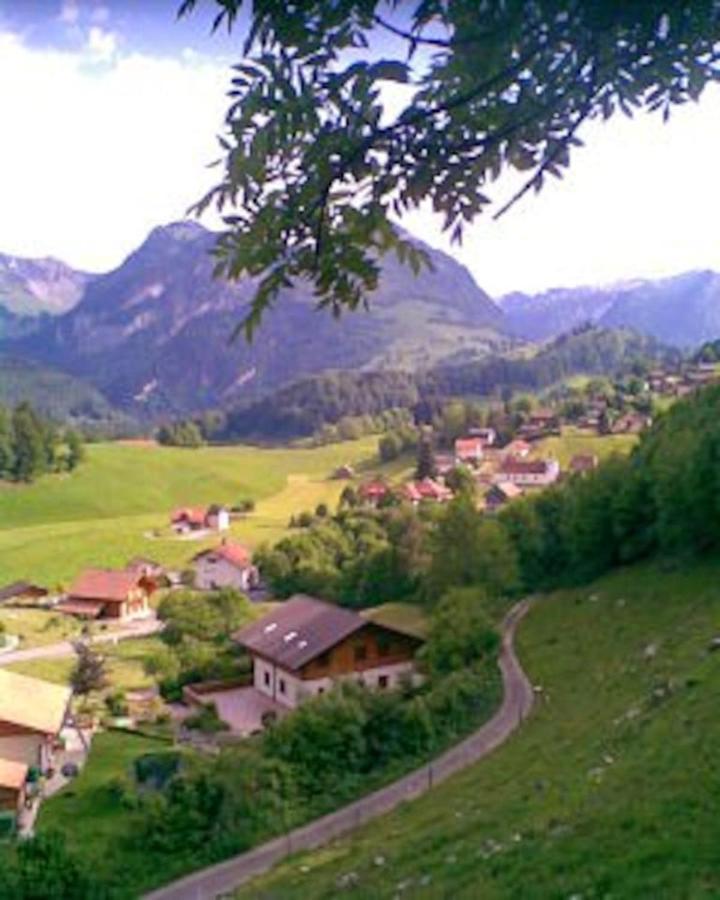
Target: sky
110,111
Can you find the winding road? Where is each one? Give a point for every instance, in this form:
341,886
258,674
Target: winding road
222,878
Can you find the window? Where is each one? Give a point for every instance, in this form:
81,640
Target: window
382,682
384,644
321,690
324,660
267,679
282,685
360,652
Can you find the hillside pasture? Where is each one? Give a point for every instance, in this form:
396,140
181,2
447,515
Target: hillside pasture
574,441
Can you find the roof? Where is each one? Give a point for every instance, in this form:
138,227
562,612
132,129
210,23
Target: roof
193,515
18,588
518,447
469,445
235,554
103,584
216,508
86,608
427,489
299,630
508,489
514,466
33,704
371,489
13,775
405,618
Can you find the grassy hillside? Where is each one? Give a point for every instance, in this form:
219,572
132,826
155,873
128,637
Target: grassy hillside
574,441
608,791
107,510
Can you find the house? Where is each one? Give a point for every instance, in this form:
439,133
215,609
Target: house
487,435
444,463
372,492
32,715
426,490
109,594
200,518
306,645
540,423
469,449
528,472
583,462
500,494
518,449
22,592
227,566
344,473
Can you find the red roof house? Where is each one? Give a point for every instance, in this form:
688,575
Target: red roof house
373,492
427,489
108,594
228,565
469,449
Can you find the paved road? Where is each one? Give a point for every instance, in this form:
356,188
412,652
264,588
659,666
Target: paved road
517,702
141,628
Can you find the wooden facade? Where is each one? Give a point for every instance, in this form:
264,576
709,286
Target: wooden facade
371,647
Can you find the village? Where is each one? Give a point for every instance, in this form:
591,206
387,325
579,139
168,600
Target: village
288,650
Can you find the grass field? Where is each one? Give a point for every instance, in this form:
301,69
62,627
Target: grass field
574,441
610,789
104,512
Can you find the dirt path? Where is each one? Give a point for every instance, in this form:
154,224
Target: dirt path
517,702
141,628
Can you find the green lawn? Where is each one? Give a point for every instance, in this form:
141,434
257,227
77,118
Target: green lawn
35,627
110,509
574,441
610,789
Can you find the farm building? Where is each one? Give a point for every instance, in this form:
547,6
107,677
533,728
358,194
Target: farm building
528,472
22,592
200,518
108,594
372,492
306,645
228,565
469,449
426,490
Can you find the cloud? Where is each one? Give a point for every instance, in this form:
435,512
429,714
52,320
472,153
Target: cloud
101,44
94,157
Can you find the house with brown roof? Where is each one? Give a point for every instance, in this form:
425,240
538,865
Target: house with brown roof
372,492
200,518
517,448
109,594
32,715
528,472
228,565
22,592
427,490
305,646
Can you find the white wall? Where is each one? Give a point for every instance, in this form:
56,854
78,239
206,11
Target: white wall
210,574
23,748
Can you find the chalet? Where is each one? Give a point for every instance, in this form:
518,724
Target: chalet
540,423
228,565
426,490
22,592
583,462
32,715
306,645
528,472
147,568
469,449
500,494
200,518
344,472
518,449
444,463
372,492
108,594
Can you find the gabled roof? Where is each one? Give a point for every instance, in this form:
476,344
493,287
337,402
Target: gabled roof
13,775
33,704
298,631
19,588
509,490
513,466
103,584
373,489
469,444
235,554
193,515
427,489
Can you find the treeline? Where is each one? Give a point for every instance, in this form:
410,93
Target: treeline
31,445
312,405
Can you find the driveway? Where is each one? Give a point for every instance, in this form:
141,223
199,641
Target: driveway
243,708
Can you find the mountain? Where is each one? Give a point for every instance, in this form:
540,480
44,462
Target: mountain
30,287
683,311
153,335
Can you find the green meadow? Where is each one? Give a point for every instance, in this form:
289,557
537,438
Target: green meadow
117,504
576,441
608,791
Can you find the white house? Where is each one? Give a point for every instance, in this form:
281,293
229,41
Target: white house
228,565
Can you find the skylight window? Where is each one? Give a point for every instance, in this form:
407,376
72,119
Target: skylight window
290,636
271,627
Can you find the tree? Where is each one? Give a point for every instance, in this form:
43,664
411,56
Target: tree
461,632
30,451
426,459
461,480
316,162
7,452
90,672
75,451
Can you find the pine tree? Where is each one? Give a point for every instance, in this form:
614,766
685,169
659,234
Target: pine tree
29,441
7,452
426,459
76,450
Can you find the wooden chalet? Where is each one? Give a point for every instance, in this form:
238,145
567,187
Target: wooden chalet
22,592
109,594
306,645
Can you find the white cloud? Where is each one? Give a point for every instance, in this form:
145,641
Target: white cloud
101,44
94,157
